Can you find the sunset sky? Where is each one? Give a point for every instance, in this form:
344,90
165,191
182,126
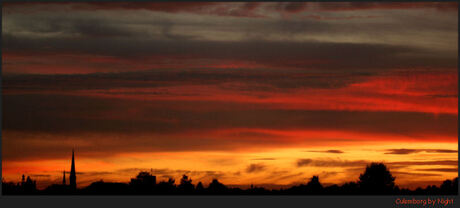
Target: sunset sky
268,94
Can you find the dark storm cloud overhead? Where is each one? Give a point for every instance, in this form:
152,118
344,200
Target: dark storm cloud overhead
77,114
162,27
410,151
145,25
272,42
157,40
306,55
250,79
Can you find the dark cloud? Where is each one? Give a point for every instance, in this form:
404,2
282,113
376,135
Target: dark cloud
281,175
72,114
224,161
409,174
330,151
410,151
91,28
154,6
254,168
93,173
331,163
448,170
401,151
66,116
139,38
444,96
441,150
291,7
51,146
210,7
40,175
409,163
248,80
326,174
235,9
73,119
268,158
335,151
305,55
348,6
363,163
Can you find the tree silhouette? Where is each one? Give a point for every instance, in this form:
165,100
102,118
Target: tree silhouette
314,186
186,185
101,187
450,186
199,188
143,183
377,179
216,187
314,183
350,188
167,187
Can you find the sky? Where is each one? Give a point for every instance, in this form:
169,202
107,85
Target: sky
268,94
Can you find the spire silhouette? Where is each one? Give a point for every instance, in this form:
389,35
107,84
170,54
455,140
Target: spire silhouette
73,177
63,178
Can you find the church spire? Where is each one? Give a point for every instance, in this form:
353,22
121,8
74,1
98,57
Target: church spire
63,177
73,177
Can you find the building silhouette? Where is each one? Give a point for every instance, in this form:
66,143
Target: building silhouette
73,177
63,178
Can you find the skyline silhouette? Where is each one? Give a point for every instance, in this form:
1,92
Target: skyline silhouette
73,182
376,180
